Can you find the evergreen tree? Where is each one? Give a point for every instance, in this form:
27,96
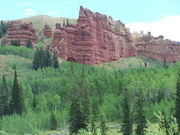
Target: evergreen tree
64,24
4,100
127,116
75,112
140,114
15,43
17,96
29,44
47,62
36,61
67,22
85,100
53,122
178,101
55,61
34,103
93,119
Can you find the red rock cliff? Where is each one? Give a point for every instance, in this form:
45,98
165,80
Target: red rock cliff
22,32
157,48
95,39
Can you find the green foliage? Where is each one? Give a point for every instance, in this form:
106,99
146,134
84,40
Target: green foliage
103,125
4,99
43,59
17,101
3,28
127,115
29,44
75,113
178,100
49,89
15,43
20,51
3,133
140,114
53,122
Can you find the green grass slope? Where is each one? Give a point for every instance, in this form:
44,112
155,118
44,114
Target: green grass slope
41,20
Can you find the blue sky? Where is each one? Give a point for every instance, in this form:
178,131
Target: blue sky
128,11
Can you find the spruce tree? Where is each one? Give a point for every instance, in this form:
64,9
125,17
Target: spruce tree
127,115
75,113
53,121
93,119
36,60
140,114
17,97
85,99
177,114
29,44
67,22
55,61
4,100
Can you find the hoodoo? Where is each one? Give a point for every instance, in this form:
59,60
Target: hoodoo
21,32
95,39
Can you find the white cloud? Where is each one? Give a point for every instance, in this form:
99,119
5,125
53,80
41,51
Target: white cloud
169,27
53,13
25,4
29,12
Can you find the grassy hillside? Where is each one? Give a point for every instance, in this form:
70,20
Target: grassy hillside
41,20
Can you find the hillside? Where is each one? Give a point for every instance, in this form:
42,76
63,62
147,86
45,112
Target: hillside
41,20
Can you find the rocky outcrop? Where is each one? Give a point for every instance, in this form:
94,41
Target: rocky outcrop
47,31
95,39
21,32
157,48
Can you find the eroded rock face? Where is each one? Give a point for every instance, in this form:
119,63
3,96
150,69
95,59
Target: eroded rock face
95,39
47,31
21,32
157,48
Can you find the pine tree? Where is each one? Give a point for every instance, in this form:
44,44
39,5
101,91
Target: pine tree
53,122
34,103
127,116
85,100
75,112
17,96
4,100
55,61
140,114
67,22
64,24
15,43
177,114
29,44
93,119
36,61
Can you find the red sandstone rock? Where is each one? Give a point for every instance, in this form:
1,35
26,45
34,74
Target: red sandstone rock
22,32
47,31
157,48
95,39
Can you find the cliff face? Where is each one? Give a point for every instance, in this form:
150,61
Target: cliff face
157,48
47,31
95,39
22,32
